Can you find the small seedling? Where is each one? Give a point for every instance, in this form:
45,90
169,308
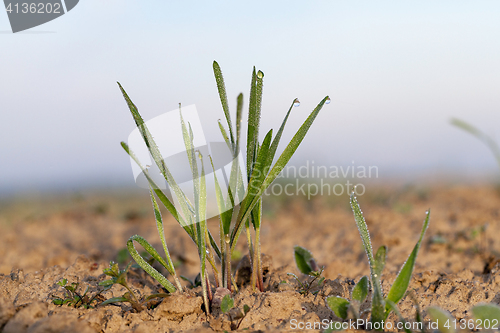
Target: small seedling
382,307
343,308
227,304
120,277
73,298
306,264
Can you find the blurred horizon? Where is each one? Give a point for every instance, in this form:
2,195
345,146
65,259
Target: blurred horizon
396,74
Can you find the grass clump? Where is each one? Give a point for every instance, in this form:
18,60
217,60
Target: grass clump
260,173
381,306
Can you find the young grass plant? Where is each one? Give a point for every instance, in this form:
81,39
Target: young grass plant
307,265
382,306
260,173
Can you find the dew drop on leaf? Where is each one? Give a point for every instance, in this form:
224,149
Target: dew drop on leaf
296,102
260,74
328,100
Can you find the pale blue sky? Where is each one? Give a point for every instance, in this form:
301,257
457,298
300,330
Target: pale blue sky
396,72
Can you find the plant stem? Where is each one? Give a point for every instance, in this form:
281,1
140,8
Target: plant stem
227,270
178,283
251,255
211,258
260,278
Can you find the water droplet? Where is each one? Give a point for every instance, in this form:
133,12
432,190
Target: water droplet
148,166
296,102
260,74
207,252
328,100
375,275
227,238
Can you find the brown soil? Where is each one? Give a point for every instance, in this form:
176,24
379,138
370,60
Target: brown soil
44,240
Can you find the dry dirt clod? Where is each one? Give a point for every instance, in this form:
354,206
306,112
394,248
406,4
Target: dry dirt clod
26,317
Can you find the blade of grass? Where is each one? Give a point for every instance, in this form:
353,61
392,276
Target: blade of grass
224,228
163,198
293,145
239,114
161,232
253,125
259,171
201,207
492,145
378,303
224,214
275,171
224,135
223,98
147,267
402,281
277,138
155,153
254,184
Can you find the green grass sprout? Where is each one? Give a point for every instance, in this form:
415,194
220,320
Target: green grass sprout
307,265
382,307
260,173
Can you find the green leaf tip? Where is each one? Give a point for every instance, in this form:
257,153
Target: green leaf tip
403,279
304,260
